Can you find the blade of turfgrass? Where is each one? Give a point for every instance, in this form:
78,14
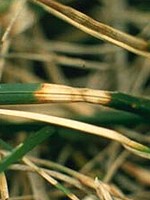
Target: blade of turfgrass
51,93
95,28
23,148
131,145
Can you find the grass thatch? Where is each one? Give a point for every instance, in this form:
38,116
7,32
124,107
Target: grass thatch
74,99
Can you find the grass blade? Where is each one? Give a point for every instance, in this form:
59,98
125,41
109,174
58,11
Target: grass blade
50,179
22,149
95,28
131,145
51,93
28,144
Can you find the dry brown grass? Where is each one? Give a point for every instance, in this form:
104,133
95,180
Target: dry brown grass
37,47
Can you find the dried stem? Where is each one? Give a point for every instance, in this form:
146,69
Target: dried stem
96,29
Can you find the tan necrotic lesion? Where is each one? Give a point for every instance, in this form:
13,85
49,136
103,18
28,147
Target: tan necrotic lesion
60,93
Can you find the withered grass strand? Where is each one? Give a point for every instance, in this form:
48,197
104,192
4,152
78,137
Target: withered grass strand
4,192
82,180
60,60
50,179
5,36
129,144
95,28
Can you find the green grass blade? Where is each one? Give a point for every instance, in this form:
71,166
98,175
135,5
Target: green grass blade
137,105
18,93
5,145
22,149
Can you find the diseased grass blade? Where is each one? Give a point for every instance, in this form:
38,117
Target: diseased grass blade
133,146
95,28
51,93
22,149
